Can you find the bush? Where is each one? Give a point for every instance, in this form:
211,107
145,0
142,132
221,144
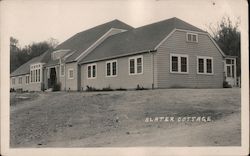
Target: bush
226,85
90,89
140,87
12,90
107,89
19,90
121,89
56,87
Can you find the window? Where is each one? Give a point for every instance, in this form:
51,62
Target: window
230,68
204,65
111,68
20,80
62,69
178,63
13,80
91,69
27,79
71,73
135,65
35,73
191,37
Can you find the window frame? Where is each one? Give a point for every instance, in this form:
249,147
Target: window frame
27,79
205,65
111,68
135,65
61,70
91,71
179,63
70,69
20,78
192,34
13,79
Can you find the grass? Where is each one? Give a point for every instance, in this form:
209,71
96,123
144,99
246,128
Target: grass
95,119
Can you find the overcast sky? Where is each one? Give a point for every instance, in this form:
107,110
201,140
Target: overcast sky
34,21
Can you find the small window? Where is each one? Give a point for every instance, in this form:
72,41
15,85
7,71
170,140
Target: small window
13,80
136,65
204,65
132,66
27,79
111,68
71,73
191,37
62,69
20,80
178,63
91,69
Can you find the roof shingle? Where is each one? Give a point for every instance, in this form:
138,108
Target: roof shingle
141,39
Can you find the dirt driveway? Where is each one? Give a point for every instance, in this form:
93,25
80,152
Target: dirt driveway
117,118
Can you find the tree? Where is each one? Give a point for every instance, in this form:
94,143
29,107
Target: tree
19,56
227,36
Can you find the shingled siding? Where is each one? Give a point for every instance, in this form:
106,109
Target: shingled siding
71,84
25,86
123,79
177,44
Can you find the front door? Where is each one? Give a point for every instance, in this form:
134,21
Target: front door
52,79
230,70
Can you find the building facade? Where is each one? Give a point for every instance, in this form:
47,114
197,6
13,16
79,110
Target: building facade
166,54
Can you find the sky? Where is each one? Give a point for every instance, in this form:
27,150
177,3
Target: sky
35,21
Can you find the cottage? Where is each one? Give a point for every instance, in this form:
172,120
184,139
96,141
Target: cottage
166,54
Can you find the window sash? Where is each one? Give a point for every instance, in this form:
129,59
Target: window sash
114,68
94,71
178,63
204,65
91,71
139,65
108,69
132,66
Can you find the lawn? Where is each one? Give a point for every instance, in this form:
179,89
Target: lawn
117,118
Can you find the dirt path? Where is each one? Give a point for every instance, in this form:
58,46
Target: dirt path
117,119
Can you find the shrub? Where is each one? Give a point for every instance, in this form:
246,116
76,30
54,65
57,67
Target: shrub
19,90
107,89
56,87
89,89
121,89
226,85
140,87
12,90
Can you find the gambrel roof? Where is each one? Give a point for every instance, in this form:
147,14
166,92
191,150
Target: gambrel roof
83,40
141,39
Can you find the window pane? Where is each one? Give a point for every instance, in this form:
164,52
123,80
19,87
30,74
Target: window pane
228,61
94,70
89,71
38,75
209,66
71,73
233,71
183,64
228,71
108,69
201,66
114,68
194,38
131,66
139,65
189,37
175,63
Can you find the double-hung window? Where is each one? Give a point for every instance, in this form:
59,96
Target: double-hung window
71,73
13,81
19,80
192,37
27,79
91,71
135,65
111,68
204,65
178,63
